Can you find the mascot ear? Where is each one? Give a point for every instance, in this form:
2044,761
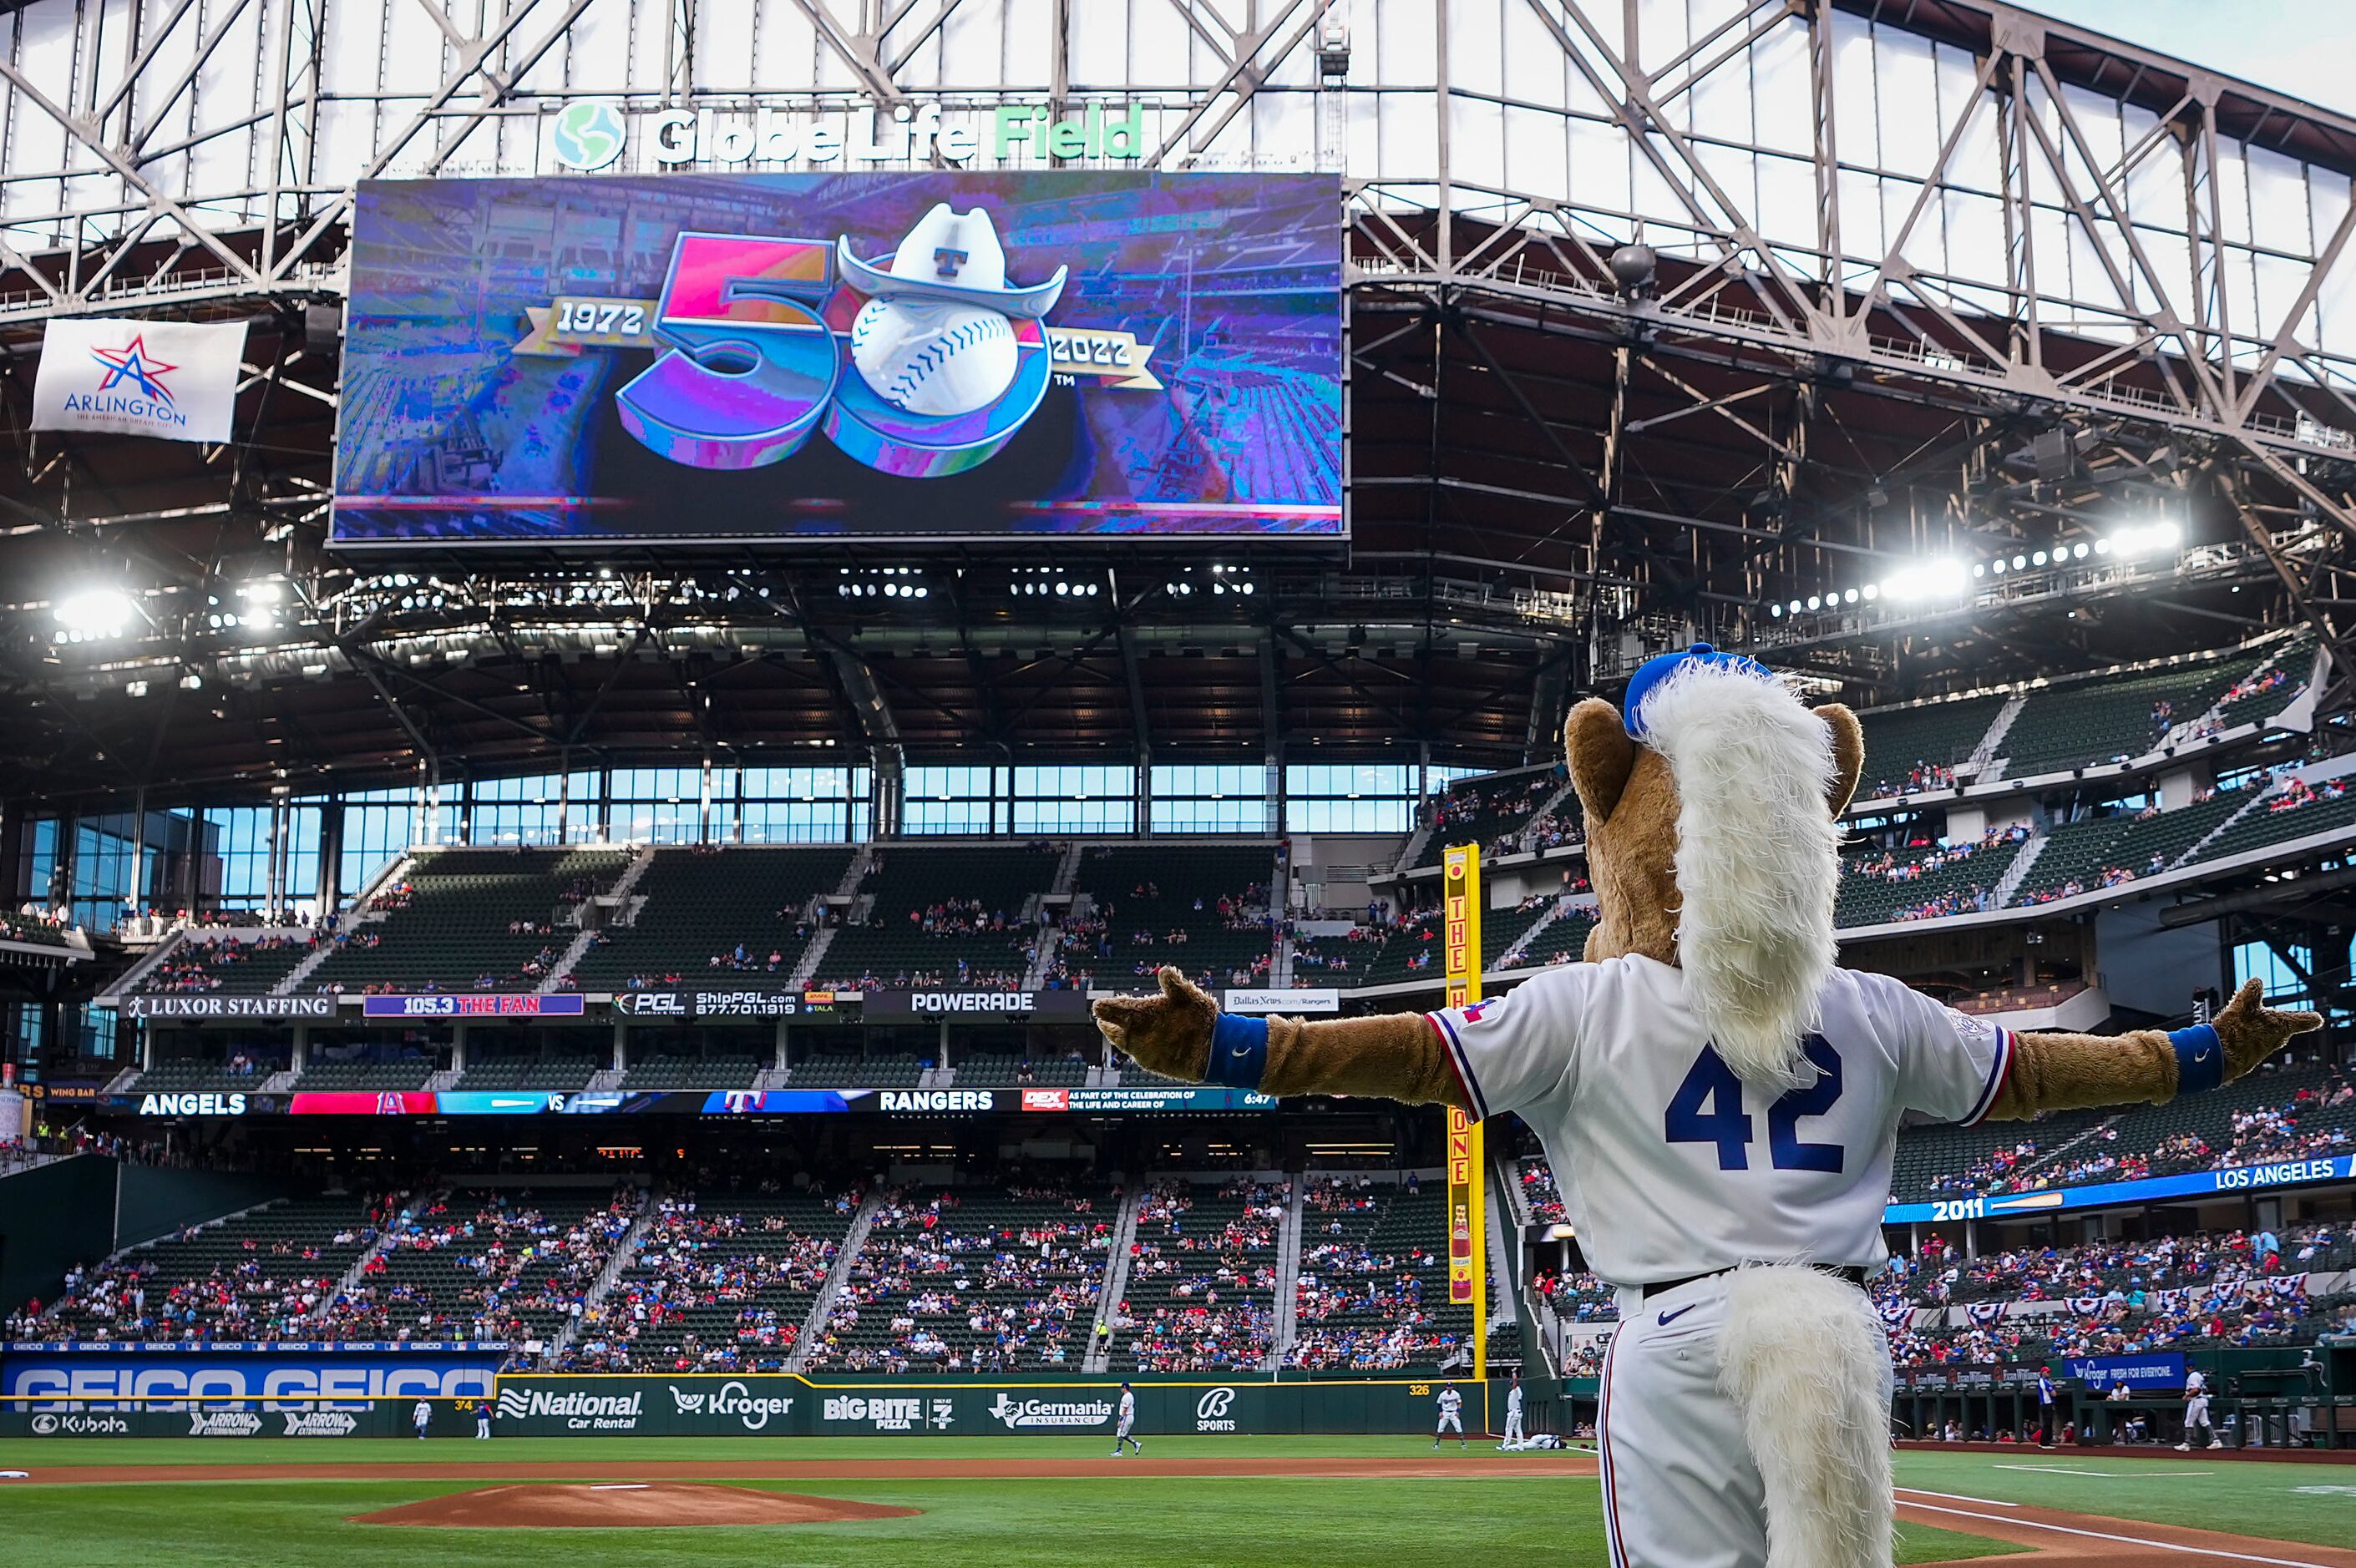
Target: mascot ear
1601,756
1848,752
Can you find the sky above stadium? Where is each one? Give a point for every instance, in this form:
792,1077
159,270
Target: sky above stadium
2300,46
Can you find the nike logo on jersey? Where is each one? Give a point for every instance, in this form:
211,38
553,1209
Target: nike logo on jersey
1669,1317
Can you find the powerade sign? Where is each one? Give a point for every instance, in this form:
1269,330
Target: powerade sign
54,1378
2140,1373
2193,1184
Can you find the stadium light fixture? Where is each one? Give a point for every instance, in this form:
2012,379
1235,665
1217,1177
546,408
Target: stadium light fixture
95,612
1926,580
2151,538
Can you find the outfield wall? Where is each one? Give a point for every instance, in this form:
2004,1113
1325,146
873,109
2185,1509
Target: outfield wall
781,1405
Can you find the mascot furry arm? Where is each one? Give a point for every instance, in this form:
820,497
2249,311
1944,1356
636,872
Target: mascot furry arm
1632,811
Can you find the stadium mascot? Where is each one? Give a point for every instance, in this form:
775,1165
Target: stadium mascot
1721,1103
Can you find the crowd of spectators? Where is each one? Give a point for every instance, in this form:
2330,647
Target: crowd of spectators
31,922
196,966
700,1258
263,1292
959,1294
2114,1297
1356,1306
1213,1286
506,1258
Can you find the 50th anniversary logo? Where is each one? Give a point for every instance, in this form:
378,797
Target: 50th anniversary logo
922,362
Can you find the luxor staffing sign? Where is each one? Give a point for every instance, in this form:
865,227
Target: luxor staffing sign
1467,1210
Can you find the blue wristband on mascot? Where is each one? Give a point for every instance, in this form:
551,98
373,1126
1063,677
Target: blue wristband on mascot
2200,1059
1239,1051
1653,671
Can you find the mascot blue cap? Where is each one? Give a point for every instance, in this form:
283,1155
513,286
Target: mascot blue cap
1653,671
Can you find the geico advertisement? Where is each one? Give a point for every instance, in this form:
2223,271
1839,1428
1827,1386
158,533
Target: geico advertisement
157,1385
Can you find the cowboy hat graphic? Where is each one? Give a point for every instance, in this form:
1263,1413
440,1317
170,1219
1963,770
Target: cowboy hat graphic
953,257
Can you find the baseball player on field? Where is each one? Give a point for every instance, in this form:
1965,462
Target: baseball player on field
1720,1102
1452,1417
1514,1436
1125,1419
482,1419
2196,1413
421,1416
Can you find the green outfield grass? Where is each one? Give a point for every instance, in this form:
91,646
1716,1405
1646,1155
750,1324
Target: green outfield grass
1135,1522
2311,1503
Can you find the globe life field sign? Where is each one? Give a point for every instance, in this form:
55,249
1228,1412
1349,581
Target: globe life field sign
928,353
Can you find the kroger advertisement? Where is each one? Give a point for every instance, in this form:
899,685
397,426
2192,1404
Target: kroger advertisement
927,354
232,1377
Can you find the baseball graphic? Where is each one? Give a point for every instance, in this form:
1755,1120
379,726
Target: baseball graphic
931,357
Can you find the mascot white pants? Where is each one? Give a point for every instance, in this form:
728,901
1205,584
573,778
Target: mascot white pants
1719,1393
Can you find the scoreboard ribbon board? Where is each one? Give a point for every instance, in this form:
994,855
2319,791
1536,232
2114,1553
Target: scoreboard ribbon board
1467,1202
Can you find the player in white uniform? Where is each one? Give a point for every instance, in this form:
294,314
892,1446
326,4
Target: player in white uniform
482,1420
2196,1413
421,1416
1452,1417
1125,1419
1673,1171
1514,1436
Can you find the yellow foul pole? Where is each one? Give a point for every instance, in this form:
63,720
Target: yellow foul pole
1467,1204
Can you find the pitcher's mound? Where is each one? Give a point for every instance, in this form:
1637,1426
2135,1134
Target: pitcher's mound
617,1505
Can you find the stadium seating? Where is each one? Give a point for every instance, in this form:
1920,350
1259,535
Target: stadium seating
191,1074
1490,809
1909,750
368,1071
2260,696
670,1068
554,1070
703,907
2116,717
1200,1296
259,1276
1373,1292
464,917
723,1283
847,1069
995,1279
1157,906
2107,850
1920,881
1995,1156
39,929
2292,810
501,1263
226,966
946,916
981,1072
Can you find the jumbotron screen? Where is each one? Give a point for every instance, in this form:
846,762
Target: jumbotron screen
932,353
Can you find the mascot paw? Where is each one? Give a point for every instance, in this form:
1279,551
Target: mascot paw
1169,1034
2252,1032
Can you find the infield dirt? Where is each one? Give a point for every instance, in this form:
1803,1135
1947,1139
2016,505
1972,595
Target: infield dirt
623,1505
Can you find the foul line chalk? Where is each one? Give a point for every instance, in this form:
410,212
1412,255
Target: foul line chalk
2122,1539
